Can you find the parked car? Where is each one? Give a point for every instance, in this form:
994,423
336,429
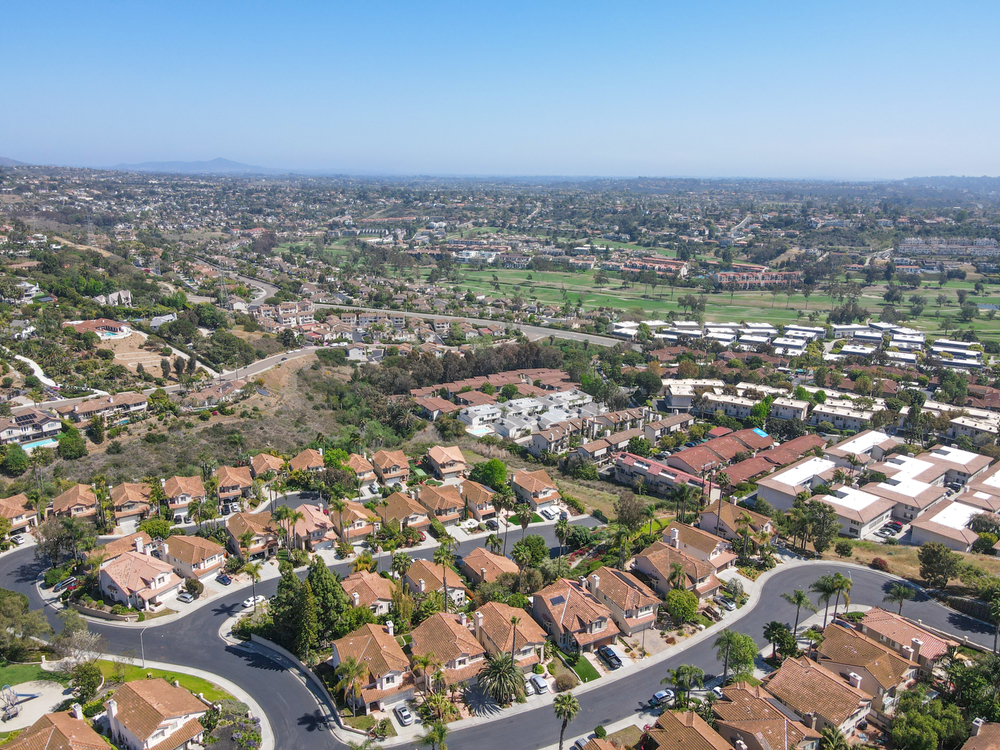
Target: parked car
529,687
18,539
663,698
403,715
564,516
223,579
609,657
728,604
65,583
492,525
541,686
252,601
717,692
547,514
896,525
185,597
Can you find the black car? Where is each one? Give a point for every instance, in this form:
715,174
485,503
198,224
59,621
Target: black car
609,657
223,579
492,525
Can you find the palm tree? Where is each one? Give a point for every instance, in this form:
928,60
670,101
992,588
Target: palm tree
400,563
364,562
566,707
899,593
677,577
562,533
798,599
826,587
245,540
425,665
522,557
685,678
723,645
253,569
743,525
831,738
435,736
995,615
443,556
842,585
293,518
339,506
494,543
501,679
523,511
351,673
772,633
684,494
502,500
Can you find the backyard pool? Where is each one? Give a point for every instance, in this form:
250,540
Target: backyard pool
46,443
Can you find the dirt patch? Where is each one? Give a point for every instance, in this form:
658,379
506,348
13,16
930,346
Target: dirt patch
903,560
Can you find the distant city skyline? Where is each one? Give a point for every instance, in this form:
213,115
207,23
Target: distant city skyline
846,91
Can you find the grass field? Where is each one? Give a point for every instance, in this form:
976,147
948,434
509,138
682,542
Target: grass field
586,671
15,674
535,518
196,685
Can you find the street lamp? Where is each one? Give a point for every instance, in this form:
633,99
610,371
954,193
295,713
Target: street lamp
142,647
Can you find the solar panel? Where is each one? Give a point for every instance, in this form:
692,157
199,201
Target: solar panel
556,600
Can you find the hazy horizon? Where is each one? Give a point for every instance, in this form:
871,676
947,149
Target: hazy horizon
769,91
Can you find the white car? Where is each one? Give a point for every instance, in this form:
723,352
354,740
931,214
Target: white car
253,601
529,688
403,715
541,686
18,539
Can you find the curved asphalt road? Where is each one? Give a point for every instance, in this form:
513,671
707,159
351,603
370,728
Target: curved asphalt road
297,720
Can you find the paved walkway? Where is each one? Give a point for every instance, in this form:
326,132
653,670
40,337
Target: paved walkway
35,699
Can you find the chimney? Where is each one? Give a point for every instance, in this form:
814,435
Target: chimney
421,585
675,538
139,546
482,573
112,708
463,619
977,724
479,623
595,583
77,711
165,549
854,679
915,644
356,597
390,628
908,653
810,720
582,580
162,481
177,683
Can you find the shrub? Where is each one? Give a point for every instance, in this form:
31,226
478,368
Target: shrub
574,503
538,669
600,732
565,682
194,587
115,447
844,549
54,575
599,515
879,564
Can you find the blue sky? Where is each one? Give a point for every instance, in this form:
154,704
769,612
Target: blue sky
854,90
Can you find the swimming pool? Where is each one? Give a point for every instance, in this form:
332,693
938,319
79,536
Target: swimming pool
46,443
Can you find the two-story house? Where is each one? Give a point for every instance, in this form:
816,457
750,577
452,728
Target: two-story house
444,504
884,673
367,589
683,731
66,730
700,544
153,714
263,531
364,473
480,565
28,426
388,680
131,504
424,576
657,562
726,519
460,656
391,467
180,493
494,628
749,714
446,462
632,603
308,460
573,616
17,509
264,463
354,522
193,556
139,580
478,500
536,488
115,409
315,530
911,641
405,511
78,501
819,697
235,483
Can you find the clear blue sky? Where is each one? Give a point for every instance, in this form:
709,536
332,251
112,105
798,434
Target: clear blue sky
806,89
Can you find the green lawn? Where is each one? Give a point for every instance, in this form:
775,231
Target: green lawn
585,670
364,723
15,674
210,690
535,518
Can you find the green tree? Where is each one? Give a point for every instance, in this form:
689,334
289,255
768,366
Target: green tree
831,738
737,651
774,633
435,736
86,678
524,513
351,675
898,593
71,445
826,587
798,599
501,679
307,635
15,462
444,555
938,564
492,473
566,707
95,430
681,605
684,678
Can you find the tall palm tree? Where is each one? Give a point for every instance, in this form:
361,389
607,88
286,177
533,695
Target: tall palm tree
435,736
743,524
995,615
799,599
522,557
338,505
244,542
684,494
685,678
502,500
899,593
566,707
400,563
293,518
494,543
723,644
253,569
842,585
677,577
426,664
351,674
831,738
500,679
562,531
772,634
524,513
826,587
443,556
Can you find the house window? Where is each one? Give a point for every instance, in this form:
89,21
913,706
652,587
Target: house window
389,679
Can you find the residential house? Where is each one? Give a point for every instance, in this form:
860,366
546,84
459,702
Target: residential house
683,731
658,478
391,467
657,562
818,696
726,519
155,715
478,500
138,542
78,501
66,730
181,492
447,636
139,580
445,503
17,509
314,531
364,472
388,680
632,603
424,576
193,556
406,511
367,589
115,409
947,524
573,616
28,426
263,463
263,531
354,522
700,544
235,483
535,488
309,460
911,641
884,673
985,735
480,565
749,715
494,629
130,501
446,462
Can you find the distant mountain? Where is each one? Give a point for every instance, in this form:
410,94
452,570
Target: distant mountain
984,185
5,162
216,166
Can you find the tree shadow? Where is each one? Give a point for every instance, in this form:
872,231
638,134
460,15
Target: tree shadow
966,624
256,659
480,704
316,721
